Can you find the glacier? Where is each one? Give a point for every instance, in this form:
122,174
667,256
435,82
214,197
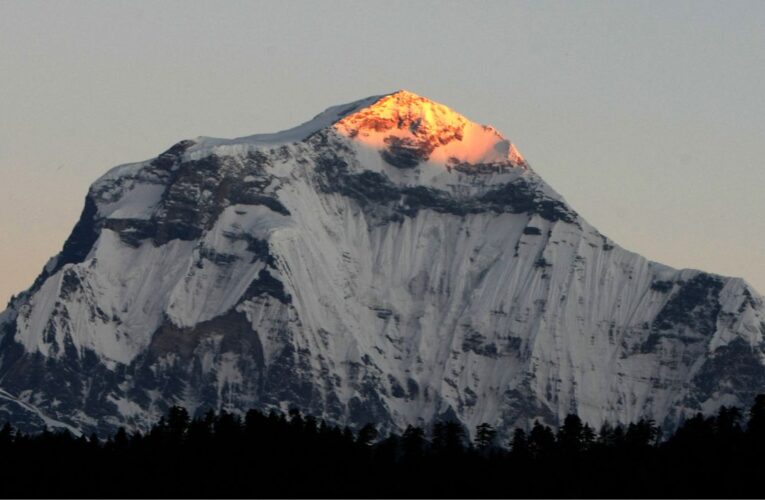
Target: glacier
389,261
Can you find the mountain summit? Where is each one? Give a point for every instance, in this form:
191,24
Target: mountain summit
411,129
389,261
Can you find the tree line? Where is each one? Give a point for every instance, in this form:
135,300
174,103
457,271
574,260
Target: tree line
295,455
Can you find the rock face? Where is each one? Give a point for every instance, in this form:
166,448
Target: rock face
388,261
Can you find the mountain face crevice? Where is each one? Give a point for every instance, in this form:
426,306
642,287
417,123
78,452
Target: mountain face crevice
389,261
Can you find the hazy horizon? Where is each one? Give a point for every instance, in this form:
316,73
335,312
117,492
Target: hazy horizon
647,117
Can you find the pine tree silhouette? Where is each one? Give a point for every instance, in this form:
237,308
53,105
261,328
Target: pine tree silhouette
484,436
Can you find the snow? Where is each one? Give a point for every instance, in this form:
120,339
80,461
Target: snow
479,144
210,289
121,171
205,145
125,407
50,422
472,310
432,173
138,201
408,116
121,282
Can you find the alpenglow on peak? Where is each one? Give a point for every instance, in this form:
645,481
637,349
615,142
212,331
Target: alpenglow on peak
427,130
409,127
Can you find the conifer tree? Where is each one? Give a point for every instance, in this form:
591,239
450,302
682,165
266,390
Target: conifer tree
541,439
519,445
484,436
570,434
588,437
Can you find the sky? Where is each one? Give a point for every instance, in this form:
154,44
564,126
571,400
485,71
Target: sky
647,116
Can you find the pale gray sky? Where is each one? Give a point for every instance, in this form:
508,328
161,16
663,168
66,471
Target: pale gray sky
649,117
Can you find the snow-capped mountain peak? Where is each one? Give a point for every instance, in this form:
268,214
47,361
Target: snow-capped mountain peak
411,128
387,261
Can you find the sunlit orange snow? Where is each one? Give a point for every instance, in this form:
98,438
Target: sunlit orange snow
443,135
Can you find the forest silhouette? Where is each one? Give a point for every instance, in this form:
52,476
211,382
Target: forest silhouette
294,455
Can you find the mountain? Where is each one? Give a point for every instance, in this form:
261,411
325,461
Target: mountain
389,261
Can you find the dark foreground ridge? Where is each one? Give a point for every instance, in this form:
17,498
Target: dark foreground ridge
261,456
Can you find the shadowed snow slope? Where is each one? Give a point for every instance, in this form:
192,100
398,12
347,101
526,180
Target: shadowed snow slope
389,261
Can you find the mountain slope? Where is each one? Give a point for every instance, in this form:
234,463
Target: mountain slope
388,261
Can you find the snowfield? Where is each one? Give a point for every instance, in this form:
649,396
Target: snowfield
389,261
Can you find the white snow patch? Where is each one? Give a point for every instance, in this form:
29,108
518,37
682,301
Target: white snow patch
137,202
206,145
50,422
